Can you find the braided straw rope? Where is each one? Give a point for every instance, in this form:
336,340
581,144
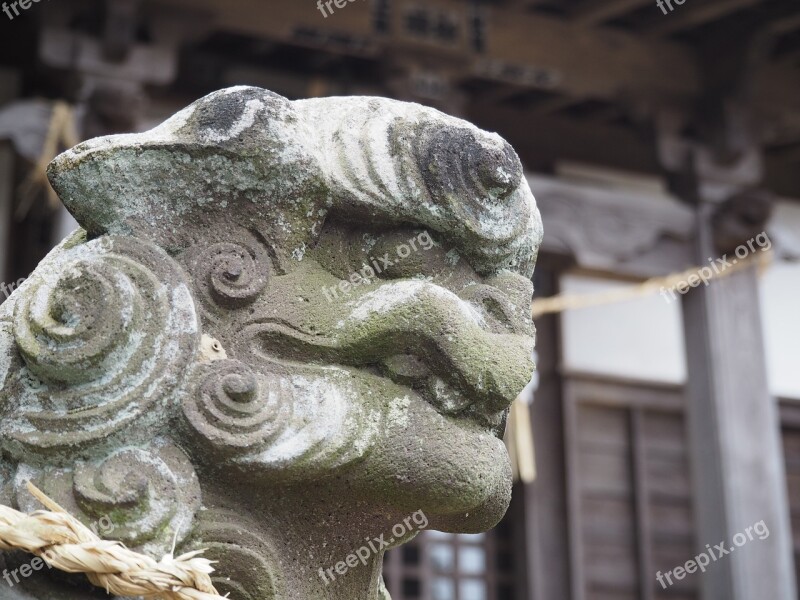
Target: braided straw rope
68,545
563,302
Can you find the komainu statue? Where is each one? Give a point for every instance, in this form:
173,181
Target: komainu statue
282,329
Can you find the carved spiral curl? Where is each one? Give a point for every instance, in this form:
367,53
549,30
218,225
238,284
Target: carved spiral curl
287,425
71,331
470,174
246,558
105,330
142,497
230,274
233,274
235,410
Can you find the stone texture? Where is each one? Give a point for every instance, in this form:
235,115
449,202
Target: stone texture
284,328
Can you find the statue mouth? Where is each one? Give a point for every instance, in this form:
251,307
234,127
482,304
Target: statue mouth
422,337
448,400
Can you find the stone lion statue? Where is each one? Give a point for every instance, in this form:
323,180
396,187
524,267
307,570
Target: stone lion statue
283,329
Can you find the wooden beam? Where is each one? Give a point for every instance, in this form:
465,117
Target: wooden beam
546,549
497,94
593,63
9,90
689,16
595,12
786,25
644,530
530,51
252,17
540,140
553,105
66,49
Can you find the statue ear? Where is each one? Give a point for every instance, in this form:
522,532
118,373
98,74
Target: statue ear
240,146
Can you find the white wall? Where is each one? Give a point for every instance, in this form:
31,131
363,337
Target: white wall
780,303
639,339
643,338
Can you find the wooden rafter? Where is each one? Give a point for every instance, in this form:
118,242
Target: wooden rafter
595,12
683,18
571,59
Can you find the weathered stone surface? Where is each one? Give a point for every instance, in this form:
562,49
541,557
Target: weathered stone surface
285,327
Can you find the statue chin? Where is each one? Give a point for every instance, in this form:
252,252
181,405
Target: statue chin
461,474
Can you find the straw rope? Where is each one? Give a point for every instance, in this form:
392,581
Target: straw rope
64,543
563,302
61,133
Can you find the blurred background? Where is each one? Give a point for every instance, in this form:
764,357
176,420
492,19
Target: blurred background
658,137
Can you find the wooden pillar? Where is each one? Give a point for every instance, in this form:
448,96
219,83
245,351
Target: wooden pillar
735,435
9,89
739,470
543,528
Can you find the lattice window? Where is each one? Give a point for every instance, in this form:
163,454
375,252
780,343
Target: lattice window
790,425
629,489
441,566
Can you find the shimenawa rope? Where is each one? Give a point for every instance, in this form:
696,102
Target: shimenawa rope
68,545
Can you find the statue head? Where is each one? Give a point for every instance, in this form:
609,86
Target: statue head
282,325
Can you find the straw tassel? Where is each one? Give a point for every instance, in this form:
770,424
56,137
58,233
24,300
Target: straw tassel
519,442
